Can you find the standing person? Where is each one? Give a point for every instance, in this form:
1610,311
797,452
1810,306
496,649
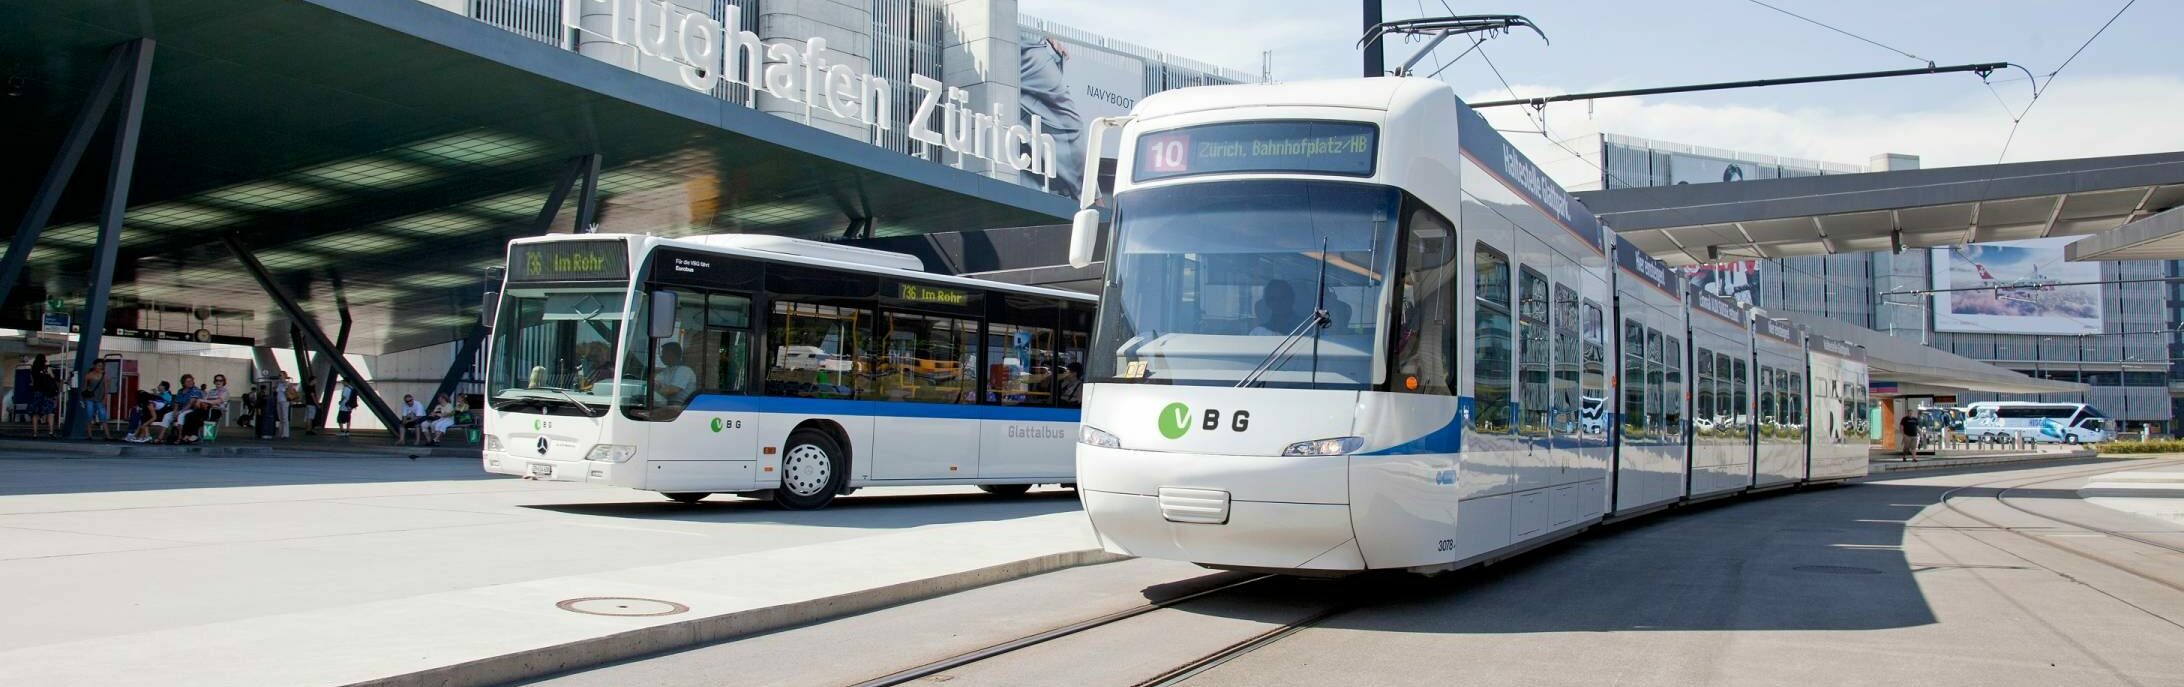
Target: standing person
1907,434
91,402
348,409
45,394
286,397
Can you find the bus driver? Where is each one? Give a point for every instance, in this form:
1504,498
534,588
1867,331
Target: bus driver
673,385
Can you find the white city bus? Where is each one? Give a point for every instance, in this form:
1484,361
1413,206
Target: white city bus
2056,423
775,368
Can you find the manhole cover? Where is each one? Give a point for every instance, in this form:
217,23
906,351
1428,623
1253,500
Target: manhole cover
622,605
1836,570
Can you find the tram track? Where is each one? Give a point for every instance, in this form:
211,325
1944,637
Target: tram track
2001,497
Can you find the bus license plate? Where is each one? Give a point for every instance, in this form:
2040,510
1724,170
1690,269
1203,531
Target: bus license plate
542,470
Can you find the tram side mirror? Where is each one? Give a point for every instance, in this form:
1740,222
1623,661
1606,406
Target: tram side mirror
1084,236
663,314
489,309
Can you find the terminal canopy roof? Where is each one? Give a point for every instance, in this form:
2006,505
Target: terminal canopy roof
1850,213
378,154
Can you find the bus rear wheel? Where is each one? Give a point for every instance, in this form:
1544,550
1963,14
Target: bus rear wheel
812,471
1005,489
686,496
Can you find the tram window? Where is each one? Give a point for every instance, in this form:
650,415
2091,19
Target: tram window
1767,417
1725,415
1656,384
1672,388
1634,380
1739,386
926,359
1793,403
1491,332
817,350
1533,355
1566,404
1593,408
1425,341
1702,389
1021,368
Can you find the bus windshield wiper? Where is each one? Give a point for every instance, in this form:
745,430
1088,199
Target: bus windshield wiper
563,393
1313,323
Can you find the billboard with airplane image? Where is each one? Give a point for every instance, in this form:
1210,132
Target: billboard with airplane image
2015,287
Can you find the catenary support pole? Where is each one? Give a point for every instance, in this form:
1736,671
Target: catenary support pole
311,331
126,130
1376,51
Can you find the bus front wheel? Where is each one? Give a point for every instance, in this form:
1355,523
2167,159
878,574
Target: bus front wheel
812,470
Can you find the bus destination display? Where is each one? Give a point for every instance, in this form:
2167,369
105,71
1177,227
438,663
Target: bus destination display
1309,147
568,260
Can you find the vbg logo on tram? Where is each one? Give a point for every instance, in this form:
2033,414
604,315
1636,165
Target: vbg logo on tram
1175,420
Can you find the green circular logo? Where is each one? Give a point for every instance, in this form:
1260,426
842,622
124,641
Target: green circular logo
716,425
537,425
1175,420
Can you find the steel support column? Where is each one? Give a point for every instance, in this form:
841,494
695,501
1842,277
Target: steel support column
466,359
317,337
560,195
138,59
587,202
118,63
322,369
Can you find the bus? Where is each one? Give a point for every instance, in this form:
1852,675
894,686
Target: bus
1346,325
2057,423
775,368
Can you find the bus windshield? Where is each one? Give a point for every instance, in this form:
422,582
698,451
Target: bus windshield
554,350
1209,280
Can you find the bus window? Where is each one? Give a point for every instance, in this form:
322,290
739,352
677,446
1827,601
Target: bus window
1492,334
815,349
666,373
1076,339
926,359
1020,350
728,332
1532,353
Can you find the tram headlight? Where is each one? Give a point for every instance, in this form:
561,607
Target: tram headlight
1325,447
1087,434
611,453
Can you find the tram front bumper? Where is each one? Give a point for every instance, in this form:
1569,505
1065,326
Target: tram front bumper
1288,513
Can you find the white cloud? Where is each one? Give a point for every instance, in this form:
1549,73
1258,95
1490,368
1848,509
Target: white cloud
2088,117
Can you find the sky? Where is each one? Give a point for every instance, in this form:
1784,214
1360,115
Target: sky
2120,96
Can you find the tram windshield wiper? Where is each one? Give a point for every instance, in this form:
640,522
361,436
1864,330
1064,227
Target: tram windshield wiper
1312,323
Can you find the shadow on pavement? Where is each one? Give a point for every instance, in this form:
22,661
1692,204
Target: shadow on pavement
861,511
44,474
1822,559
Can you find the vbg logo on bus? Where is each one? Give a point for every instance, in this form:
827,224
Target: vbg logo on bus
1175,420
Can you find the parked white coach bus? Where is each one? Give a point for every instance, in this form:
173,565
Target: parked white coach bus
2057,423
775,368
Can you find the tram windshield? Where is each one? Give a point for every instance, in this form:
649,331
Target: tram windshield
1210,280
553,351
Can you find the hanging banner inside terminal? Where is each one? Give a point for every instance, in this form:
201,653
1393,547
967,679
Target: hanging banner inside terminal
2015,287
1066,85
568,260
710,52
1345,148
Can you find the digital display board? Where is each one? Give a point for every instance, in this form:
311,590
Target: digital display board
1309,147
569,261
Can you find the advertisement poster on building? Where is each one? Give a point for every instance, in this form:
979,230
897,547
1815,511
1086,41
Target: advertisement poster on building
1733,280
2015,287
1693,169
1067,85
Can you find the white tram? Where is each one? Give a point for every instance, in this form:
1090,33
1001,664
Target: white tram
1345,325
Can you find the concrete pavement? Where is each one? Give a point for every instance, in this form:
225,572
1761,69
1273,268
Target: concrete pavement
335,569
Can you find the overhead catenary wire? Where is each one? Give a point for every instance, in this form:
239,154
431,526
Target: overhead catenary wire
1830,27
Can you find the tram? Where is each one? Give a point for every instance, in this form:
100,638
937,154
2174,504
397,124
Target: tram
1345,325
781,369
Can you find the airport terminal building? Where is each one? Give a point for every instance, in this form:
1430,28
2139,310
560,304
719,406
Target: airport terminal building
2116,337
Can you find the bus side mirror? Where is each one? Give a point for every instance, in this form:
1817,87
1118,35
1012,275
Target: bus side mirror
663,314
489,309
1084,236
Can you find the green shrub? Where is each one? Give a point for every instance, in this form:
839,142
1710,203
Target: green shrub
2135,446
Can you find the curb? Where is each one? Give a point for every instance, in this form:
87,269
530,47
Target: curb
1878,468
586,653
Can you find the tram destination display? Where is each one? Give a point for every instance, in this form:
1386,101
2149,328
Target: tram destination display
1312,147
